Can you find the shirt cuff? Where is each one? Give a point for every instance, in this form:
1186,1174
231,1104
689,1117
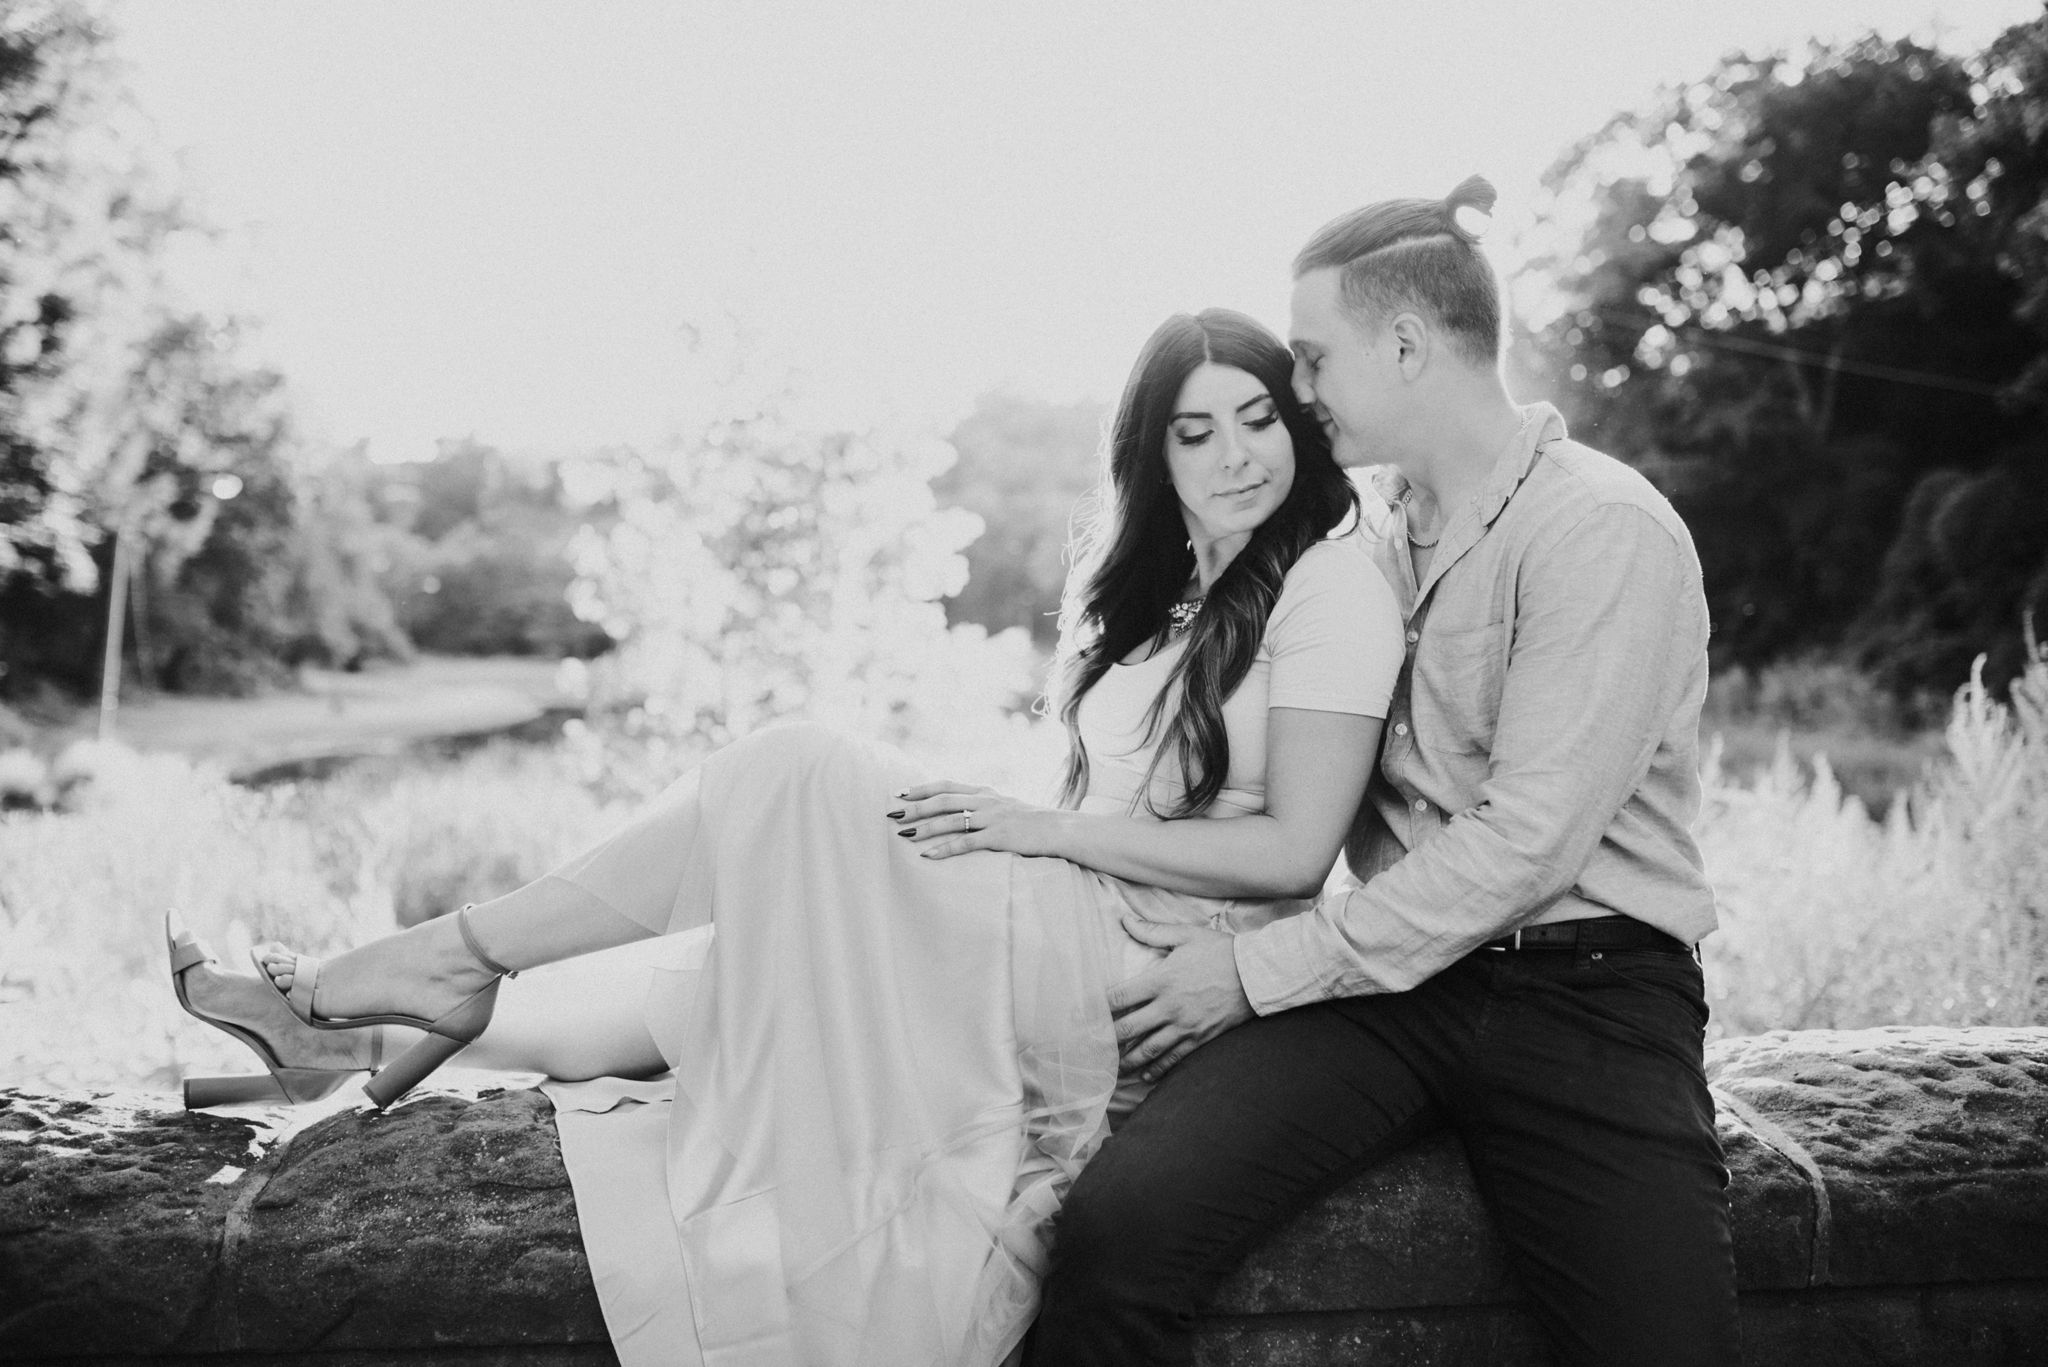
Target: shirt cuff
1274,966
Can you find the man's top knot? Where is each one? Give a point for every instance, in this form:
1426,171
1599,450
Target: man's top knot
1468,209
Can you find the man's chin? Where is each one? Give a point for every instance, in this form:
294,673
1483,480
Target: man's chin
1351,455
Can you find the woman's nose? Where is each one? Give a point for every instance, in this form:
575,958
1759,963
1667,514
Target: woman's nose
1230,452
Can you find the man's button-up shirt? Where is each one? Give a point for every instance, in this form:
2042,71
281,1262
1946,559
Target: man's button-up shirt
1542,756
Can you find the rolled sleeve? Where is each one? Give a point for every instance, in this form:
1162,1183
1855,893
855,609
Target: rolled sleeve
1606,616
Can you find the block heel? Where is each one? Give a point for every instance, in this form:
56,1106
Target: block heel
233,1089
303,1065
410,1068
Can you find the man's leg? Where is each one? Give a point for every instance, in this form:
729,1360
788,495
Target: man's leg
1589,1125
1242,1133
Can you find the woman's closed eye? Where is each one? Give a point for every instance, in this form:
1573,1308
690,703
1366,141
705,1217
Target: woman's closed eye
1193,438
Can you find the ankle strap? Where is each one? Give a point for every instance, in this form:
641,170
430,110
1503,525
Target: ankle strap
469,938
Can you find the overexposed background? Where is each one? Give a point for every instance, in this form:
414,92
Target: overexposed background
509,221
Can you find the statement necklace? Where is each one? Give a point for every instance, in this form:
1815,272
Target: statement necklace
1180,616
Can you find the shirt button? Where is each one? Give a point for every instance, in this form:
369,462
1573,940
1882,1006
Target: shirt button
1421,804
1413,637
1400,728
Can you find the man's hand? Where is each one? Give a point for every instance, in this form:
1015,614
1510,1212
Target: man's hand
1178,1005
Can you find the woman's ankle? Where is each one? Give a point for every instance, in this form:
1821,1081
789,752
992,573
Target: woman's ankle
450,963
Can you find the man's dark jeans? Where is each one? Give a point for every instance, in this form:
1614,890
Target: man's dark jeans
1572,1076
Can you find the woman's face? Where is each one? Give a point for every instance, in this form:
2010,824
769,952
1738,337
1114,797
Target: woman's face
1229,455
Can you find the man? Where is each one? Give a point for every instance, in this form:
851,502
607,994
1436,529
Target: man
1514,956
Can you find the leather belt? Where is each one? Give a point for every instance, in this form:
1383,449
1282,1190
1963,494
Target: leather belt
1596,932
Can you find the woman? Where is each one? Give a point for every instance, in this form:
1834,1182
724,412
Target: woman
890,1060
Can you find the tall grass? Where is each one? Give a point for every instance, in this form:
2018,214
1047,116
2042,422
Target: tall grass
83,995
1934,914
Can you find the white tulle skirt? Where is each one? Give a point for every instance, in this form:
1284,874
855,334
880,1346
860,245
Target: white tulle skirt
887,1070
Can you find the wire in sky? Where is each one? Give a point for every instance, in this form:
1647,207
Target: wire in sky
1725,341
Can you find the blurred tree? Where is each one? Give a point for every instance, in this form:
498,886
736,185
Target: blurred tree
1779,294
79,223
63,255
1024,464
125,415
486,567
760,571
1971,555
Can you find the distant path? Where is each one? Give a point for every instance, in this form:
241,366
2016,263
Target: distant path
380,710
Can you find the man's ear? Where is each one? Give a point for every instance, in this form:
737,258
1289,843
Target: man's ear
1412,344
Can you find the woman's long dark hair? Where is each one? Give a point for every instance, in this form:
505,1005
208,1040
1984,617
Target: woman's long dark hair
1131,556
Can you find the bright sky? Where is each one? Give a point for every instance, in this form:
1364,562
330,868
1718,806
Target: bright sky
506,219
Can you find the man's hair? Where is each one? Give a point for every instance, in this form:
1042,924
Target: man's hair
1417,254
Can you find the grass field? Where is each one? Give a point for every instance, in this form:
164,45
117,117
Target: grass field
1934,913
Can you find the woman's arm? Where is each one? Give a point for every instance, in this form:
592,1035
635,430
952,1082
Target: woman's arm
1317,766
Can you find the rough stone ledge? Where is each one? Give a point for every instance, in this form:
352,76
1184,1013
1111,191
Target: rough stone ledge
446,1231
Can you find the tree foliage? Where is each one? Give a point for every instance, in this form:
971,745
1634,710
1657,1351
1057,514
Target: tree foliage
759,571
477,555
1806,296
1024,464
124,414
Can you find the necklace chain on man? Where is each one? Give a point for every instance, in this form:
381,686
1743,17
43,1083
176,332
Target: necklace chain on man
1408,522
1180,616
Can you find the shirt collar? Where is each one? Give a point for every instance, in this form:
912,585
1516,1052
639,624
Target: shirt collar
1541,425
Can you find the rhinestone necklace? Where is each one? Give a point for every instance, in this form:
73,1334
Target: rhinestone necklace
1180,616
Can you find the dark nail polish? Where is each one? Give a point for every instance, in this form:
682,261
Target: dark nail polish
907,832
896,815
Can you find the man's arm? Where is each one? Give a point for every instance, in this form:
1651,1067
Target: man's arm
1607,618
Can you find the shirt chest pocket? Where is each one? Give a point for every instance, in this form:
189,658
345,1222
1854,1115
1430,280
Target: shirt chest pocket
1455,692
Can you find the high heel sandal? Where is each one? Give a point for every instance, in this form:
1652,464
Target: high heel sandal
443,1038
255,1015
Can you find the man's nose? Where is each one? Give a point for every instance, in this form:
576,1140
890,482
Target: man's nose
1304,389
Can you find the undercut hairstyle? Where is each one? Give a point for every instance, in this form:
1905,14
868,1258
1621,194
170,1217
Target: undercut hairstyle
1130,556
1421,255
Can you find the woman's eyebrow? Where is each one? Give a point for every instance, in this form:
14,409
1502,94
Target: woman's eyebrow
1208,417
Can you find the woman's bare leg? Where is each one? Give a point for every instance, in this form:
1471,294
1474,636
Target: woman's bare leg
627,888
573,1021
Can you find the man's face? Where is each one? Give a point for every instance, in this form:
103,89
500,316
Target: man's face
1349,382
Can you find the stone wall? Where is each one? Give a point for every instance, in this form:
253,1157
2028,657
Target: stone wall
1890,1190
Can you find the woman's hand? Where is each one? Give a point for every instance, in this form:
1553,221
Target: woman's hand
949,818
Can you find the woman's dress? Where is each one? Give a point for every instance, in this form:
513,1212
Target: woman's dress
888,1070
